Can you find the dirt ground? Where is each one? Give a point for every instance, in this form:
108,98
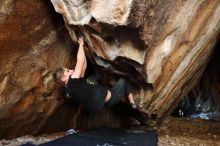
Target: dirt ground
171,132
188,132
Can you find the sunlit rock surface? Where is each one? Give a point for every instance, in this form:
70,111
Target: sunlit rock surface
80,12
161,43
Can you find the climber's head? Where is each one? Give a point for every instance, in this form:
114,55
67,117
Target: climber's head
62,75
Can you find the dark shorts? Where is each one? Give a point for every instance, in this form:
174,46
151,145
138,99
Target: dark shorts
121,89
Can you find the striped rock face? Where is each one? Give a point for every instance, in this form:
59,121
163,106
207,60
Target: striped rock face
169,43
161,47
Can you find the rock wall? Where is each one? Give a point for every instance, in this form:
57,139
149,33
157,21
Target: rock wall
165,43
33,42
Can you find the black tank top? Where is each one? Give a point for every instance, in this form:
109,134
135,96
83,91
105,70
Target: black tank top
87,92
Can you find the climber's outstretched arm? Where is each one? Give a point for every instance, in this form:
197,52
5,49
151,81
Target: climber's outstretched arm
84,68
81,63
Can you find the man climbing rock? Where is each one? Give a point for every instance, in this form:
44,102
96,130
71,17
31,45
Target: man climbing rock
88,91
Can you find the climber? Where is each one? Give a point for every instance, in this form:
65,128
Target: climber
88,91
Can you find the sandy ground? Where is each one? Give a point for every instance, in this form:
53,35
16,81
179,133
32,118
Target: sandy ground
171,132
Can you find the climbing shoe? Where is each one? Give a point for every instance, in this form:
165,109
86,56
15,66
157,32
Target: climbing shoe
135,106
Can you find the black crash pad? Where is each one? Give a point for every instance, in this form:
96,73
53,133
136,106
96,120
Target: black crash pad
107,137
28,144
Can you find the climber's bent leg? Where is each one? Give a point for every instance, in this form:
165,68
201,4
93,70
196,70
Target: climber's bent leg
120,89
